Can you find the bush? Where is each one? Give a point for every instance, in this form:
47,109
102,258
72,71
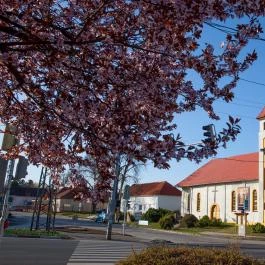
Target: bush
167,221
204,221
216,222
192,256
189,220
154,215
131,217
258,228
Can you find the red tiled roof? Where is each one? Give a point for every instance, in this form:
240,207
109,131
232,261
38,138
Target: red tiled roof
261,114
154,188
224,170
70,193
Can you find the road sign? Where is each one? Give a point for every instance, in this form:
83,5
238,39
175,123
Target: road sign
21,170
9,138
3,168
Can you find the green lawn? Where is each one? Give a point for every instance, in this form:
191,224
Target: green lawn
229,229
34,233
78,214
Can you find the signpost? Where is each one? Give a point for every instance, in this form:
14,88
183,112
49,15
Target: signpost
126,197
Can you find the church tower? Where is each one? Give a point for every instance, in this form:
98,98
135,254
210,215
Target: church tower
261,196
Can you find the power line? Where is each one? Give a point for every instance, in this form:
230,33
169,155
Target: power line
250,101
230,30
243,105
253,82
240,116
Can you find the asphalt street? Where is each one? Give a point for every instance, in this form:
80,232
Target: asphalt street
35,249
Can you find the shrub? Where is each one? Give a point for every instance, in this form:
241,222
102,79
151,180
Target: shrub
167,221
258,228
154,215
216,222
204,221
131,217
192,256
120,216
163,212
189,220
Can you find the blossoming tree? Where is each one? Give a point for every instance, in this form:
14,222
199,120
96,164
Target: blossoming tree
102,78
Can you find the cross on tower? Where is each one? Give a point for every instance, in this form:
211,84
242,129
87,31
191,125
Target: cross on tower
215,190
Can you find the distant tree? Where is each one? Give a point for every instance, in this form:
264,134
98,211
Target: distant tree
129,173
23,183
30,183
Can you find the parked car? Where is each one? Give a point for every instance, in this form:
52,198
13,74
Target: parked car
101,217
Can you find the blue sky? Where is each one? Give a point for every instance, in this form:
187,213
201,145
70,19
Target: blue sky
248,102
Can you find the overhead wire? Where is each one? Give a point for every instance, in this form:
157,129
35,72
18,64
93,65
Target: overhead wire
230,30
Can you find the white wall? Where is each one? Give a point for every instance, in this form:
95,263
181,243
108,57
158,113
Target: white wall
169,202
143,203
223,199
261,169
21,200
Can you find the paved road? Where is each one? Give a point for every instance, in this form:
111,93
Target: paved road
23,220
29,251
251,247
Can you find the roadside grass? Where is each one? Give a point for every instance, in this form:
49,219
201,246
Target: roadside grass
77,214
226,228
229,229
25,232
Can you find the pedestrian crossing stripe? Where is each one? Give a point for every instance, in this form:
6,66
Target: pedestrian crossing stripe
102,252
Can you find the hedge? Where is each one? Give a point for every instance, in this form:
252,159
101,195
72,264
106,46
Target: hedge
189,256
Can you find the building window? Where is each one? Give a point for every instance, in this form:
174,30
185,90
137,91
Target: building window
254,201
188,203
198,202
233,201
140,207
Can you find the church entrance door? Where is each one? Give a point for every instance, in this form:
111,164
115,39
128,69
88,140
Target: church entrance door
215,211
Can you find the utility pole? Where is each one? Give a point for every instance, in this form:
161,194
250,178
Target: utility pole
38,200
112,204
49,210
4,212
126,197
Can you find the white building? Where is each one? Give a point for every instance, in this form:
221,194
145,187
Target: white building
225,186
153,195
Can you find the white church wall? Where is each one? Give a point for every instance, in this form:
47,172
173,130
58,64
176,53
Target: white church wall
261,169
203,198
169,202
184,209
219,195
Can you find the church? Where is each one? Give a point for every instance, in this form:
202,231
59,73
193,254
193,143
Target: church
226,186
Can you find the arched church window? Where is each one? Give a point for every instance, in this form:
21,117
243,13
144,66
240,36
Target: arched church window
233,201
198,202
254,201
